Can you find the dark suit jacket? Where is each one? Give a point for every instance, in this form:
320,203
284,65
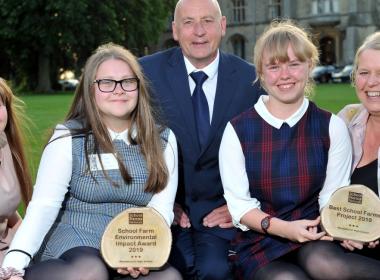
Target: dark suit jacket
200,188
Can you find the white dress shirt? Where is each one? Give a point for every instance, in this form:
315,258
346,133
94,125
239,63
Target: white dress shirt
209,86
52,183
234,175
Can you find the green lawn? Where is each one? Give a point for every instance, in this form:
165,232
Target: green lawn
44,111
333,97
47,110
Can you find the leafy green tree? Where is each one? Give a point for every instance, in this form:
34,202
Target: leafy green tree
38,37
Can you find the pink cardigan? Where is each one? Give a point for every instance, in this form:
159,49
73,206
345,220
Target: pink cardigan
9,195
355,116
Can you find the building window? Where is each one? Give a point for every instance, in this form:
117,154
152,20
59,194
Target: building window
327,47
238,11
274,9
325,7
238,45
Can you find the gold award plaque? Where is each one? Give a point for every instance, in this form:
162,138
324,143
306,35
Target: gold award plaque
353,212
137,237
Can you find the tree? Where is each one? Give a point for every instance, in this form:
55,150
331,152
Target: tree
41,36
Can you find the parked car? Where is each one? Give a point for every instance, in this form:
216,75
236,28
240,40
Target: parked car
68,84
343,76
322,73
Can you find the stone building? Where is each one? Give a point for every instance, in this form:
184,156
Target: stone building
338,26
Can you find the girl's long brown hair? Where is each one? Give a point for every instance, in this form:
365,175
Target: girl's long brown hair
16,139
143,117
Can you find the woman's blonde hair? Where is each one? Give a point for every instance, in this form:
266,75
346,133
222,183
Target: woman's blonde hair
371,42
143,117
275,40
16,139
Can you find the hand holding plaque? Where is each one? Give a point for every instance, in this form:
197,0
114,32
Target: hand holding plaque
352,213
137,237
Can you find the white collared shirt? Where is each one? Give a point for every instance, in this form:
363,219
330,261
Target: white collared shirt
232,162
263,111
209,86
52,183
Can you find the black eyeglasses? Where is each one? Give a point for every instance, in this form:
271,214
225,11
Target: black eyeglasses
109,85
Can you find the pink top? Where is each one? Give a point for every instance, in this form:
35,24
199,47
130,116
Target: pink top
356,116
9,195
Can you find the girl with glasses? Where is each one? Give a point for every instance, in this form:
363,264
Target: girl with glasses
109,155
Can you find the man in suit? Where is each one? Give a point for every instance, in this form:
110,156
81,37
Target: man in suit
203,226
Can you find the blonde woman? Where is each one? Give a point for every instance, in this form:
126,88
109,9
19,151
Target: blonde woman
76,196
363,121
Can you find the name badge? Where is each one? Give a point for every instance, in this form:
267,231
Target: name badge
109,162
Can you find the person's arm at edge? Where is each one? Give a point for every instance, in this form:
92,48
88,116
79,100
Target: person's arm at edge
54,170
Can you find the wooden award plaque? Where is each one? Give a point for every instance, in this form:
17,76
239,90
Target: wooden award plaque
353,213
137,237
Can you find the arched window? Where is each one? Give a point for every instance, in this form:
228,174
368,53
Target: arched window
238,45
327,48
238,11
